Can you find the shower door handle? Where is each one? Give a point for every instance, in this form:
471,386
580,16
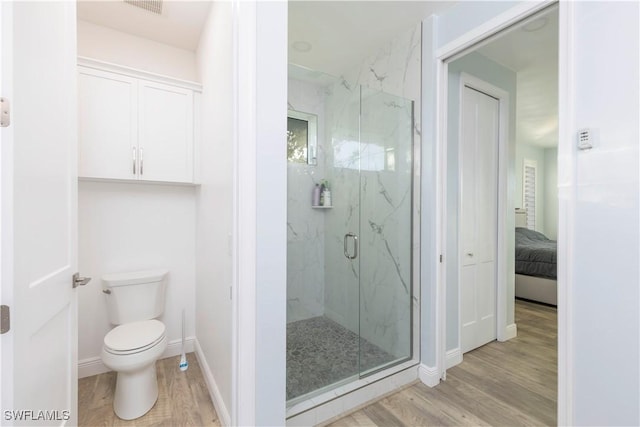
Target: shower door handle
346,246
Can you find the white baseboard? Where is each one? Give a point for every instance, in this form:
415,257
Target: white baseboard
428,375
214,391
94,366
511,331
453,358
90,367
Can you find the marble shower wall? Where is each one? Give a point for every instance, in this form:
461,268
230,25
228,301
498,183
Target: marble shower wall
373,293
305,226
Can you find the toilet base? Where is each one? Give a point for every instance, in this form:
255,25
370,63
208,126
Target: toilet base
136,392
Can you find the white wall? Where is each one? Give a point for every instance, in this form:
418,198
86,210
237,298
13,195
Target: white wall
126,227
114,46
215,204
271,209
602,201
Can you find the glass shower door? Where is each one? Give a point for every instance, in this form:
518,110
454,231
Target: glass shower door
386,176
349,264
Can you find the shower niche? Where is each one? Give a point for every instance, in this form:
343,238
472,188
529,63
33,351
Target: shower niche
349,268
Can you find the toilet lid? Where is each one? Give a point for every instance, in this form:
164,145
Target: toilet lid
134,335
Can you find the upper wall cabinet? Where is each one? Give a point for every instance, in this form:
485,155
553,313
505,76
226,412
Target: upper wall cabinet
135,126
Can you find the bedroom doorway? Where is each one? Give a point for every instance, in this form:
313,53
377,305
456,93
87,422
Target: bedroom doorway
522,63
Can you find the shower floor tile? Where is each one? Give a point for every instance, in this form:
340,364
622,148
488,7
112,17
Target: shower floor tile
320,352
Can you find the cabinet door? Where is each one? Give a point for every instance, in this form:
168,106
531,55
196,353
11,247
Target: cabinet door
107,124
165,132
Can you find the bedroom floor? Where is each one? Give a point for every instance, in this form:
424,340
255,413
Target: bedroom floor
183,398
511,383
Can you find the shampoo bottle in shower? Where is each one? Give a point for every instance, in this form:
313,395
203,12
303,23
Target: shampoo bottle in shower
326,195
315,198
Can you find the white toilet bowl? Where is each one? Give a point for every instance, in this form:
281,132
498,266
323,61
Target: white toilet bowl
131,350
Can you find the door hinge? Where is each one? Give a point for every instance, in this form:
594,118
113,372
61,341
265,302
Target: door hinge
5,112
76,280
440,258
5,319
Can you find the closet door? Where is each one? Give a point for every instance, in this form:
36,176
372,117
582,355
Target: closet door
108,129
166,132
478,217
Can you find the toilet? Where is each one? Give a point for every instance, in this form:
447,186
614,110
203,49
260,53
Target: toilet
134,301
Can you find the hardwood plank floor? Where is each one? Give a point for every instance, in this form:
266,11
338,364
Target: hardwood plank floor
183,398
500,384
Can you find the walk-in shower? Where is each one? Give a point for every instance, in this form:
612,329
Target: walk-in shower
349,252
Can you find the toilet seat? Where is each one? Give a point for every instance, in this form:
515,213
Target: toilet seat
134,337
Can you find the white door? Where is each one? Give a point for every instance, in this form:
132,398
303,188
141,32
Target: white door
165,133
39,204
478,217
108,124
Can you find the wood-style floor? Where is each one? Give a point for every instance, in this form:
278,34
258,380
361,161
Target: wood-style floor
183,398
500,384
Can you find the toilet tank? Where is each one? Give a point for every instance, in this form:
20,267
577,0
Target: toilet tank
134,296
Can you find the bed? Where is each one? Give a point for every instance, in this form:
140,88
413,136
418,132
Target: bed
536,267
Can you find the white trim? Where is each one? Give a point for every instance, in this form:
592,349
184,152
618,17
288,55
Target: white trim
91,366
212,386
454,357
243,406
467,80
134,72
441,225
512,16
429,375
566,215
94,366
510,332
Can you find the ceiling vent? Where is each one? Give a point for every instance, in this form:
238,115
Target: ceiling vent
153,6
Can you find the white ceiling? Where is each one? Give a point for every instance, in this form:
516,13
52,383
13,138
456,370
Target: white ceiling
179,25
343,33
534,56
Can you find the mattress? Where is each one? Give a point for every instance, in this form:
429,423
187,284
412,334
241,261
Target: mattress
536,255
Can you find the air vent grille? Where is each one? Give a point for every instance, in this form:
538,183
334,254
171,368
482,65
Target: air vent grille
153,6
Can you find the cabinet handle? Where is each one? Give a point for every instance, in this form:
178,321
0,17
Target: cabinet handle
133,156
142,161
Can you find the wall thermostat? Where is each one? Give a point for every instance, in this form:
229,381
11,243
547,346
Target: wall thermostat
585,139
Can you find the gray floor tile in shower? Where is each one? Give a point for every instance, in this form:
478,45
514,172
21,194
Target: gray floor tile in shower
320,352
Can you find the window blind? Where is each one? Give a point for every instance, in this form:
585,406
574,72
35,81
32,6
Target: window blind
529,193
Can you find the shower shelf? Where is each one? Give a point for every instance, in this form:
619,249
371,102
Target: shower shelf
322,207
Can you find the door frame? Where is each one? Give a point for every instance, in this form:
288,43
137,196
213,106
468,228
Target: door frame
514,15
504,331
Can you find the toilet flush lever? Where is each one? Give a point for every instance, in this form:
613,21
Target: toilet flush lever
76,280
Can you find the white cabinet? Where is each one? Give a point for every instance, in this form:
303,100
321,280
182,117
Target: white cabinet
134,128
